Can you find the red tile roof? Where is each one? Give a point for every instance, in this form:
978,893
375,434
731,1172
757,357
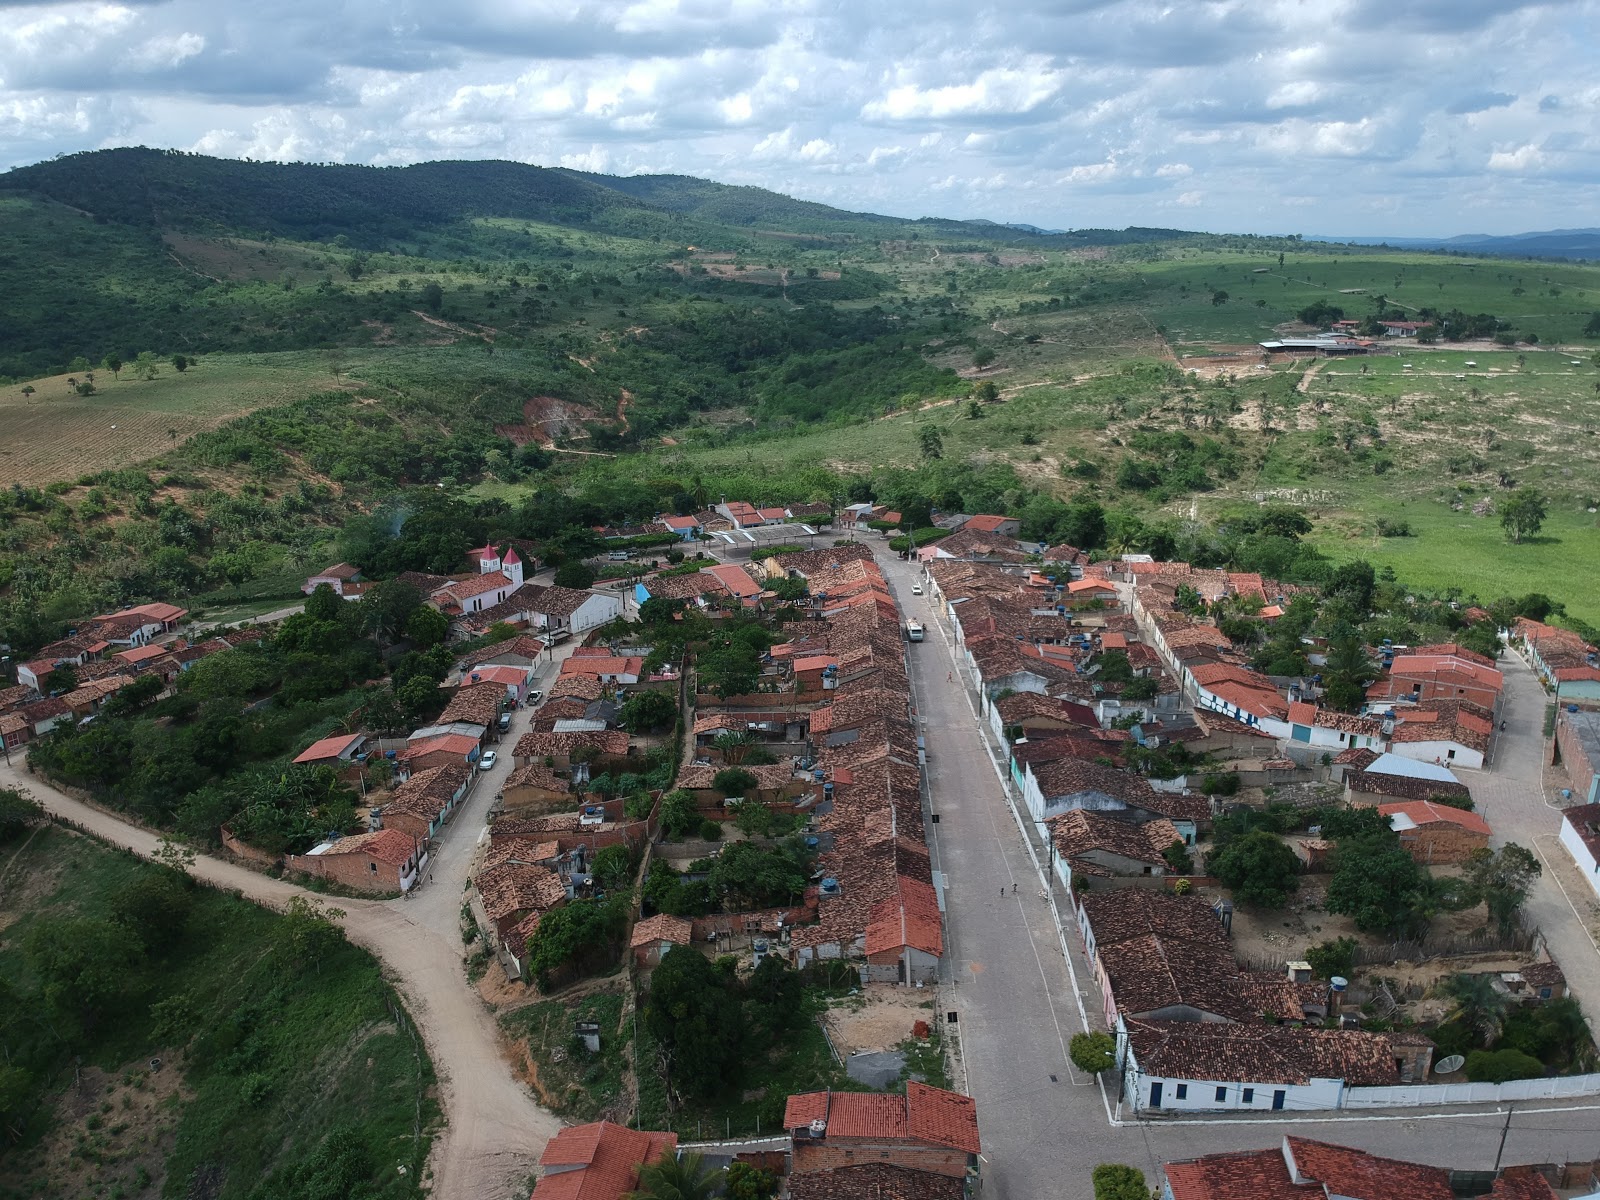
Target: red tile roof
1522,1183
910,917
386,845
1259,1175
598,1162
477,585
1423,812
986,523
1363,1176
328,748
924,1114
454,743
736,579
662,928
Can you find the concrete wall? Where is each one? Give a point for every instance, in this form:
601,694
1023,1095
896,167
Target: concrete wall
1580,854
1452,754
1427,1095
1200,1095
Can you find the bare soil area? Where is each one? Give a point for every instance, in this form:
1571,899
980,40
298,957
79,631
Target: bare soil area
112,1133
879,1018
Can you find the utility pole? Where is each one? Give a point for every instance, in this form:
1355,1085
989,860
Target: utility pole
1504,1130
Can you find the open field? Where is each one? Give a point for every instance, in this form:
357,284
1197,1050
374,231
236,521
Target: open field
56,434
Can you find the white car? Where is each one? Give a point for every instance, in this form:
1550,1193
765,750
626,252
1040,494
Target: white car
916,589
486,763
533,698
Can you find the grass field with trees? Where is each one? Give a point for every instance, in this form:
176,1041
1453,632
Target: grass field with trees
163,1038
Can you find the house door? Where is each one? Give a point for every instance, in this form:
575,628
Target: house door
1277,1100
1155,1094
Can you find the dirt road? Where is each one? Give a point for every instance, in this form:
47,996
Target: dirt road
494,1131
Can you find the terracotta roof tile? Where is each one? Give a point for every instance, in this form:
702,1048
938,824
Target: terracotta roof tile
538,745
662,928
1239,1053
1081,831
513,888
598,1162
386,845
1363,1176
924,1114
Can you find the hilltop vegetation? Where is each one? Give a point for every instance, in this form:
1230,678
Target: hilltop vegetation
352,334
162,1038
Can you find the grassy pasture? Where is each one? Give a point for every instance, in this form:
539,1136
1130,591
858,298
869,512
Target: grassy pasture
55,434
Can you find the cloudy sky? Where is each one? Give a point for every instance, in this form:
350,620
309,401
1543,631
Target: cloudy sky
1360,117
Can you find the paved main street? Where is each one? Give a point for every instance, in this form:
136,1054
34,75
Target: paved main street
1019,999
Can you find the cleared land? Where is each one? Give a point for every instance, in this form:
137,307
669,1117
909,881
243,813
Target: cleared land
56,434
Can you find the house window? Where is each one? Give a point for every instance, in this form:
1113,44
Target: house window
373,867
1449,753
1248,1095
1182,1091
1222,1094
1544,993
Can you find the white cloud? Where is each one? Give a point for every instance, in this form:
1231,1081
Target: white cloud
1523,158
1090,112
999,92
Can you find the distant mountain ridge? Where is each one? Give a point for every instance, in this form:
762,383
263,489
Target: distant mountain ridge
1550,243
375,206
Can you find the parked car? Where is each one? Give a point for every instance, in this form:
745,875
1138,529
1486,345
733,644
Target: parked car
533,698
486,763
916,589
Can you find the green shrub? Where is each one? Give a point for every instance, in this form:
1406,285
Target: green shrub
1501,1066
711,831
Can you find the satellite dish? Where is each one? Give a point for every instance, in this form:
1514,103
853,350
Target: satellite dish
1448,1066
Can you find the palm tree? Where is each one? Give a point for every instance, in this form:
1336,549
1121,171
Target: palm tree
733,746
674,1178
1476,1003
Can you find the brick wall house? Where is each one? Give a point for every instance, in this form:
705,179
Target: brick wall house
1436,833
384,862
928,1129
1578,749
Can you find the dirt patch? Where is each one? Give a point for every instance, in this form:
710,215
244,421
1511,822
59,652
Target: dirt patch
546,418
502,993
382,332
112,1133
879,1018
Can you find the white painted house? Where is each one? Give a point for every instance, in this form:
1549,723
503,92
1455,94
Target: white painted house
1580,834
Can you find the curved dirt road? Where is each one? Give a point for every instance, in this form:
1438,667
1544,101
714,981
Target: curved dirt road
494,1131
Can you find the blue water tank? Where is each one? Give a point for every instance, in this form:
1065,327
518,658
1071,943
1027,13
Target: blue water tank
830,886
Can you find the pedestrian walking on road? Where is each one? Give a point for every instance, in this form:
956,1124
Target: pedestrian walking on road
1013,889
1002,891
949,676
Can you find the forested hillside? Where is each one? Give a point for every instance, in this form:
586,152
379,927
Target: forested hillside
216,366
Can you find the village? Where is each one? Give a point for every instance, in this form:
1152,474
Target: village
738,753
